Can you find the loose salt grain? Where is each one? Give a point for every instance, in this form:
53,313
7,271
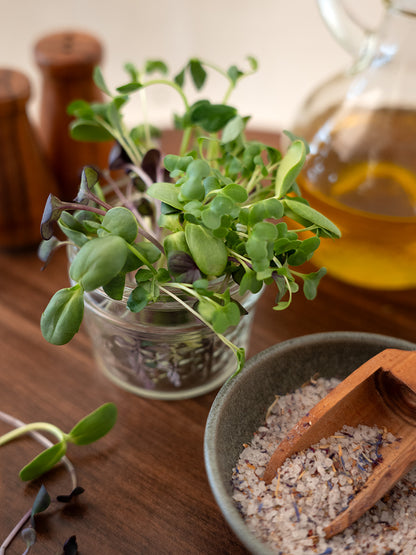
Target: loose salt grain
312,487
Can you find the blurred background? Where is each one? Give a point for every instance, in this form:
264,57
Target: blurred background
294,49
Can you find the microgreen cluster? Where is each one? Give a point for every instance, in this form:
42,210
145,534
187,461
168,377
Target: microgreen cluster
188,225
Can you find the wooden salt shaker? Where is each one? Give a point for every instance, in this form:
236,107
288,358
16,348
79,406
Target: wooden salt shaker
25,176
67,60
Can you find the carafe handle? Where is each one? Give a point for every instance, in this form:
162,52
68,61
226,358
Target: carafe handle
350,33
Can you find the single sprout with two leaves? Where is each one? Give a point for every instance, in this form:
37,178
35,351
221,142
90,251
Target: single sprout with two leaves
182,226
88,430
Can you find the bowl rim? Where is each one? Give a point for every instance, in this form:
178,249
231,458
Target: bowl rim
221,495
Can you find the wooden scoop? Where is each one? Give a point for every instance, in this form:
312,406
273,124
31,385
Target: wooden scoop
381,392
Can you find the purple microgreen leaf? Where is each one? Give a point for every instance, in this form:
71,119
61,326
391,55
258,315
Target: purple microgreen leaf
47,248
118,158
41,503
74,493
51,214
71,546
182,266
89,178
151,163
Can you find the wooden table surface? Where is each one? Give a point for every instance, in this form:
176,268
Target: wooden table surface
146,490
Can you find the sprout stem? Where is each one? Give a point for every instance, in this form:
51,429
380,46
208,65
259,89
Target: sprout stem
222,337
14,532
12,421
27,428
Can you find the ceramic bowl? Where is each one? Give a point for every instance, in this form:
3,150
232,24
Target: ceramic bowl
241,404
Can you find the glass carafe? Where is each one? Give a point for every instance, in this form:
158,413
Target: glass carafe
361,173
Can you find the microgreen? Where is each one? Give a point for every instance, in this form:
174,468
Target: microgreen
91,428
211,214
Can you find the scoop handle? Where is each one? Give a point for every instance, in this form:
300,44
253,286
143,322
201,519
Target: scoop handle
396,462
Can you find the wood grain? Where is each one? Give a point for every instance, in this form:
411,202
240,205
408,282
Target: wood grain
146,490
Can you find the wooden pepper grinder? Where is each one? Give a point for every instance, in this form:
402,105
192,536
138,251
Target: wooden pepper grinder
25,176
67,60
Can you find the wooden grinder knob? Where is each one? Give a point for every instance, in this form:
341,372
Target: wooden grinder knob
67,60
25,176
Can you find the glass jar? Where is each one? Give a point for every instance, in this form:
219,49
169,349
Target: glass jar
361,173
162,352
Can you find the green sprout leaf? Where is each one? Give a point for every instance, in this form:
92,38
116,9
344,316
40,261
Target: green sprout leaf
167,193
311,215
198,73
209,252
77,237
43,462
88,131
253,63
80,109
179,79
120,221
234,74
153,66
146,251
132,71
115,287
98,261
249,282
233,129
241,359
235,192
94,426
63,316
99,81
129,88
289,167
225,317
311,282
138,299
211,117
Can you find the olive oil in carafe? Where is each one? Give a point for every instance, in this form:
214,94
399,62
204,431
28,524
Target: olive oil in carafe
362,175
